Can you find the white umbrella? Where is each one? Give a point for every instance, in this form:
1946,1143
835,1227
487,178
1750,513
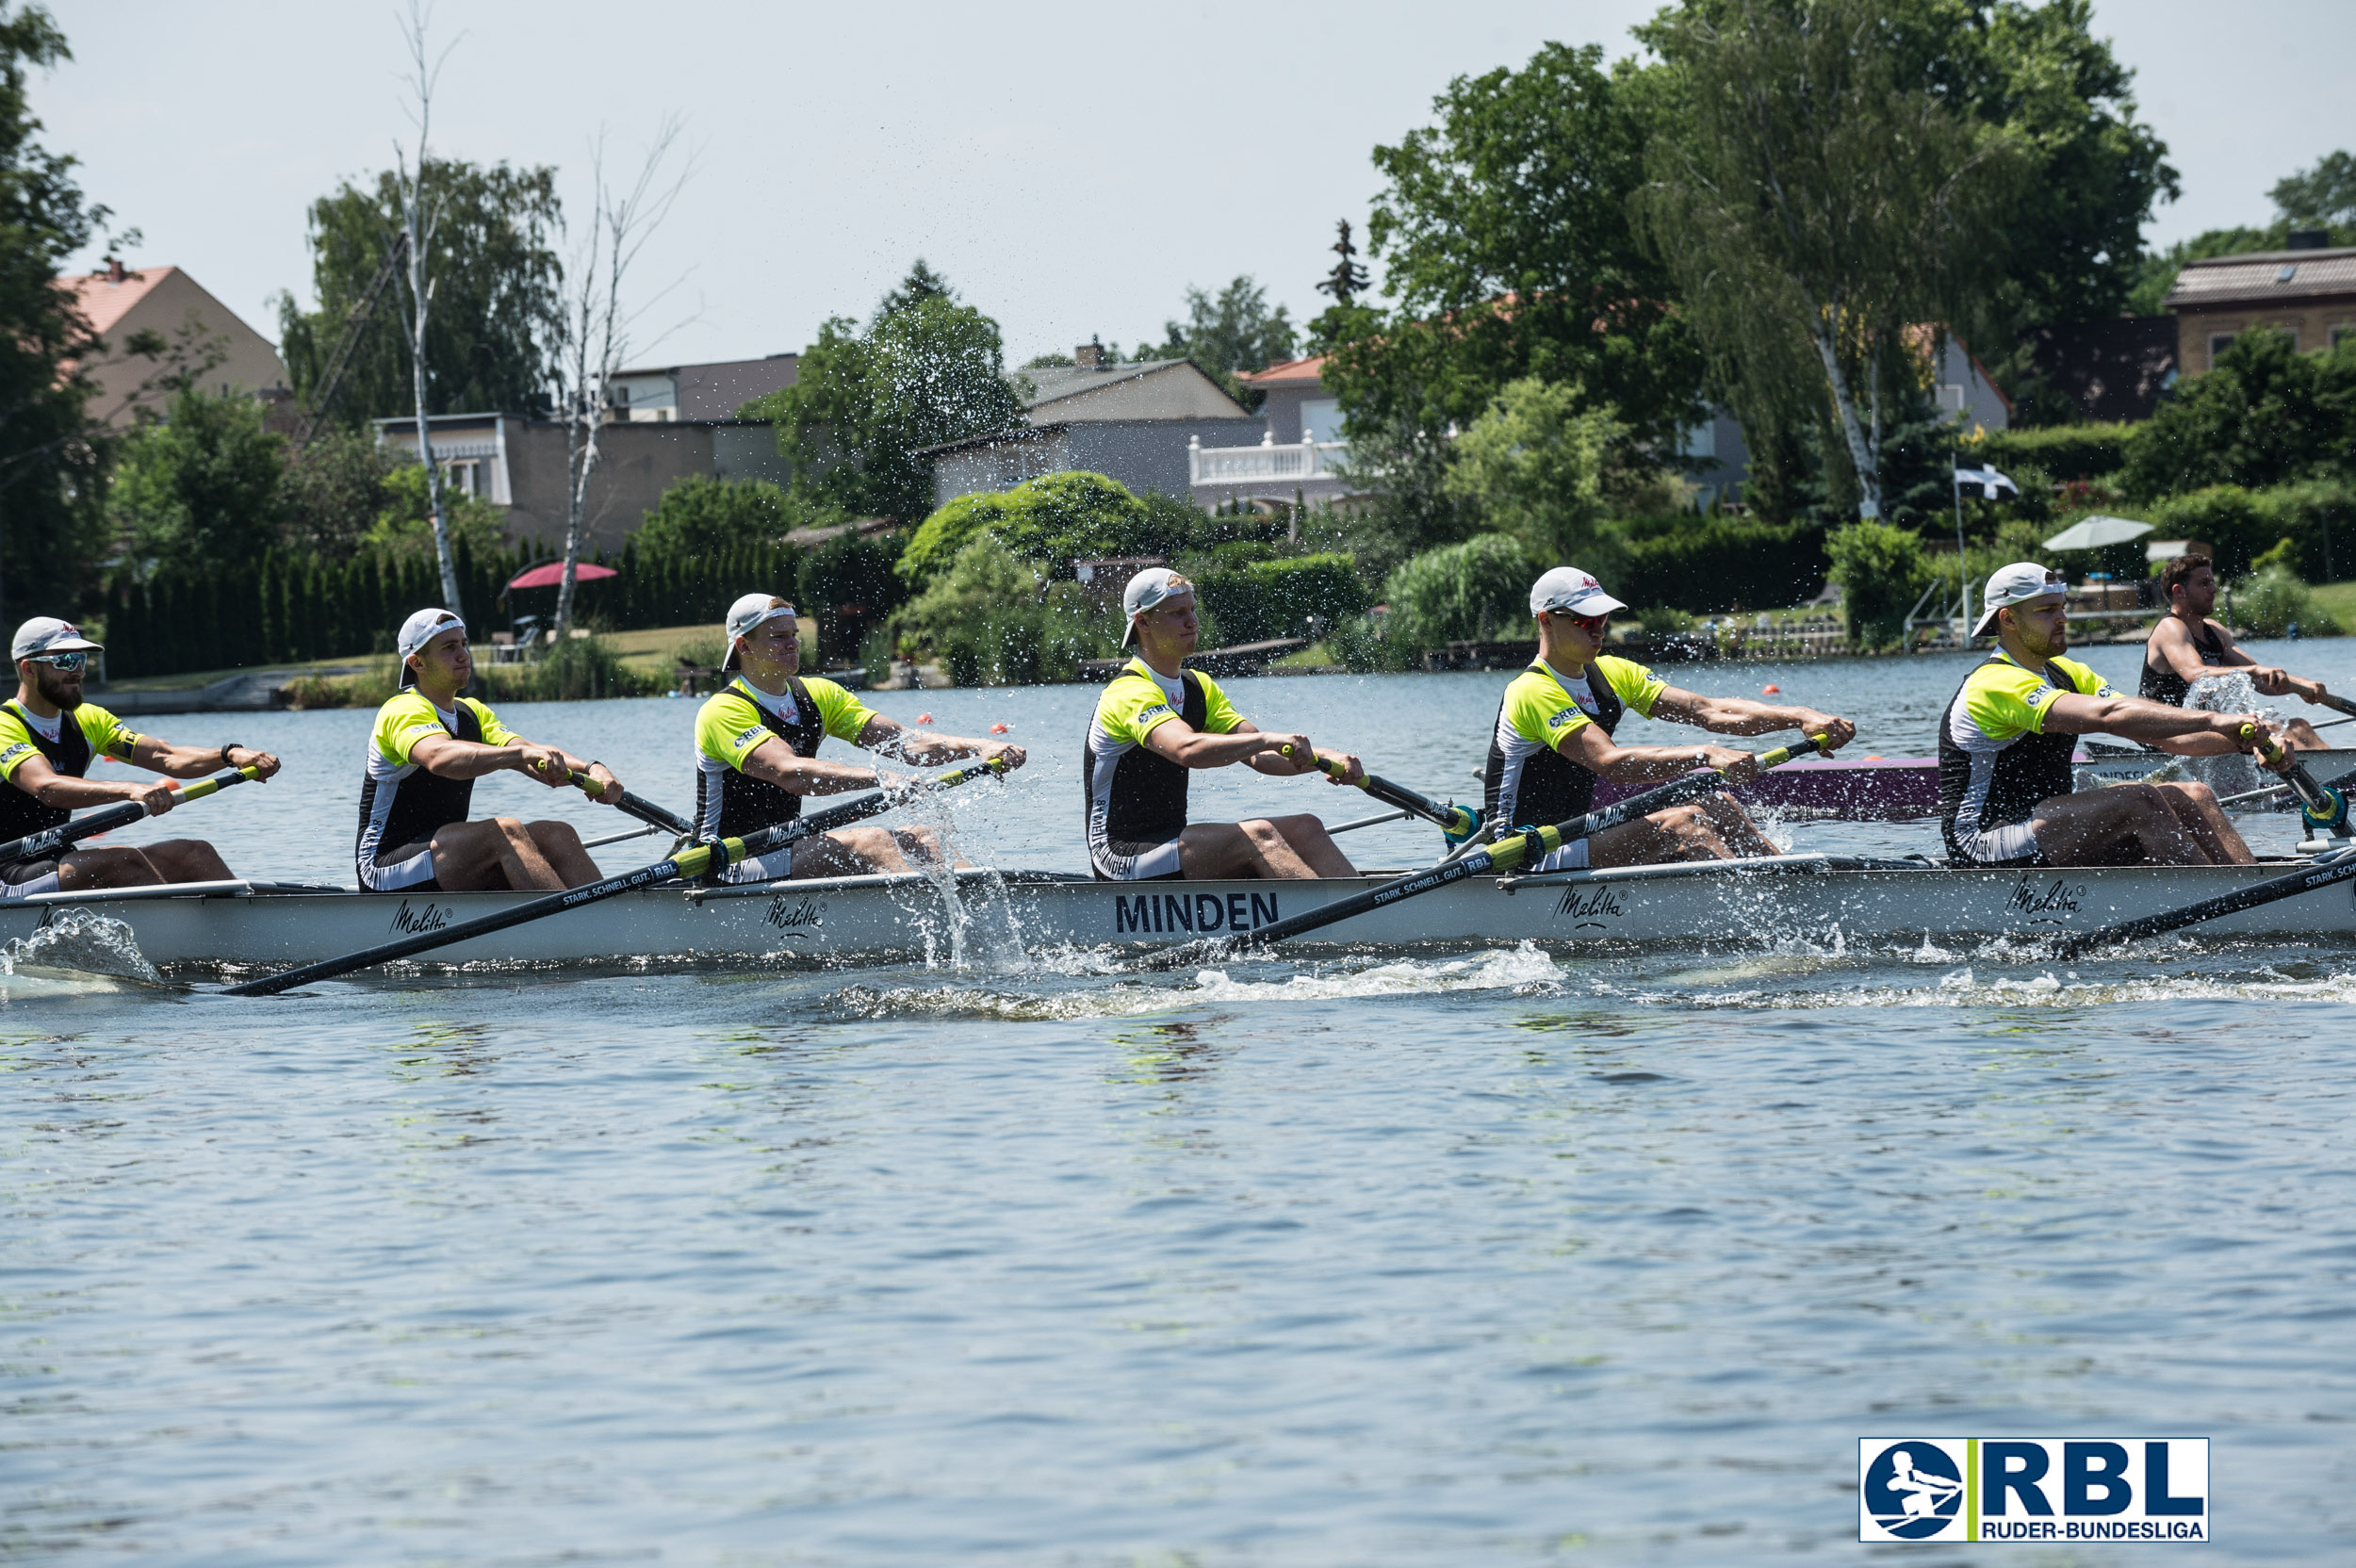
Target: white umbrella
2092,533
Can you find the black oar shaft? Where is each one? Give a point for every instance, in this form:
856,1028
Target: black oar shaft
35,846
632,806
2339,867
1457,819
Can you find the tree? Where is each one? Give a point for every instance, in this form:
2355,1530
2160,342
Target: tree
706,518
51,459
1478,589
922,283
1225,335
1882,570
202,487
333,491
2264,415
1818,203
1507,252
1049,521
1532,467
421,217
1349,279
867,403
2321,197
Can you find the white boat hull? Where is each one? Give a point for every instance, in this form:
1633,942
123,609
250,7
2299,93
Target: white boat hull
1804,898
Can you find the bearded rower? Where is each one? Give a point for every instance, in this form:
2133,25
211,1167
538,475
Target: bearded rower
1155,722
429,746
2007,742
1555,736
757,743
49,737
2188,647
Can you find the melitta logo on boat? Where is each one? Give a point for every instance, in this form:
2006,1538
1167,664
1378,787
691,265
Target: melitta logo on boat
1586,906
795,916
2040,900
2033,1488
1162,914
410,920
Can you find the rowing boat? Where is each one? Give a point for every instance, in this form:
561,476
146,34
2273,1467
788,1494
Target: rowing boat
1902,789
1807,899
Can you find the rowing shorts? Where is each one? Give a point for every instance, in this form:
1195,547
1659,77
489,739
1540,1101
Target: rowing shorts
1121,860
2012,844
406,870
1571,857
28,877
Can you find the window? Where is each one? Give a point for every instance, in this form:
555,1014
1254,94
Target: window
2218,343
2343,332
465,476
1700,441
1321,419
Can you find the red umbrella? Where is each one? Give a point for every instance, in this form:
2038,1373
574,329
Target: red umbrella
553,573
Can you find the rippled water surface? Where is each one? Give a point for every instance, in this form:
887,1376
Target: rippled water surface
1509,1256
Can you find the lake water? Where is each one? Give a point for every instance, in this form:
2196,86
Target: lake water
1506,1257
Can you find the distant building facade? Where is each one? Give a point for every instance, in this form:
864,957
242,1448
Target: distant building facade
121,302
2308,291
2113,371
1300,454
692,392
1131,421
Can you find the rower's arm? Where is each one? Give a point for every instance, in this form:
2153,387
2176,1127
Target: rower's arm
197,761
64,792
1741,716
2183,731
1592,749
774,763
926,748
446,756
2175,646
1189,747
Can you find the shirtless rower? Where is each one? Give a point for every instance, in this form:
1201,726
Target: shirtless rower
1156,723
49,737
2188,647
428,747
757,743
1554,738
2007,737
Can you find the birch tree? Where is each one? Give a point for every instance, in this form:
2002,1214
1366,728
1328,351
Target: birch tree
420,214
596,331
1826,218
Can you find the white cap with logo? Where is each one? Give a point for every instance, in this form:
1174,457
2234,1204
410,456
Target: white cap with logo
420,629
1147,589
2018,583
747,615
1568,588
48,634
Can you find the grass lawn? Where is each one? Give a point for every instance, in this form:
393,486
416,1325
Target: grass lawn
2339,600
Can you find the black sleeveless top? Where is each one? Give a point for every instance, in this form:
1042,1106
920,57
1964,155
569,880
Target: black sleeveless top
423,803
748,803
68,755
2161,683
1536,782
1147,803
1979,792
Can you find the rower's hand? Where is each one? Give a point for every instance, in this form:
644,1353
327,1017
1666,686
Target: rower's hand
262,762
2250,733
545,765
1292,753
900,786
1341,767
1000,751
1838,732
2311,691
2271,680
158,797
608,788
1740,767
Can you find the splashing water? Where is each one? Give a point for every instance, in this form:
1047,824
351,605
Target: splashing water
83,942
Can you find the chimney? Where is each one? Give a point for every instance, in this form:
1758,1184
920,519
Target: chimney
1090,355
2307,240
114,270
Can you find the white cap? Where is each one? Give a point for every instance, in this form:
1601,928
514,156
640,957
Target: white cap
420,629
1568,588
48,634
1148,589
746,614
2018,583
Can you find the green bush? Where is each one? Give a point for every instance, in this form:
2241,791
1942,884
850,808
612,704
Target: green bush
2318,517
2059,451
1709,564
701,515
1275,598
1049,521
991,623
2265,414
1882,570
579,669
1460,592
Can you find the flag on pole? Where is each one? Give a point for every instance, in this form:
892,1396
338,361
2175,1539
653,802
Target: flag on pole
1986,483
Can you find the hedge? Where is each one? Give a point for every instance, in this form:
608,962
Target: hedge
2318,517
1709,565
2063,452
1275,598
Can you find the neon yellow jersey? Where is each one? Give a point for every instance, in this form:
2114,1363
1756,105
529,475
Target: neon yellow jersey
411,716
1135,704
732,723
101,731
1527,779
1134,799
2003,699
1542,707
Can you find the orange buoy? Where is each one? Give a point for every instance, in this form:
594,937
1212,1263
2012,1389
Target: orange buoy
998,729
1876,757
923,718
1769,690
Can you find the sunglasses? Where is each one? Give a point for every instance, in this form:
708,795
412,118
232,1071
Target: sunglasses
1592,624
67,661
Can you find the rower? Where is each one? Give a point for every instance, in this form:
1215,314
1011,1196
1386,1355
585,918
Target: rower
429,746
2188,647
48,739
1555,729
757,743
2007,737
1158,720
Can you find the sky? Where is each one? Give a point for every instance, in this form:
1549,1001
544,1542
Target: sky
1071,169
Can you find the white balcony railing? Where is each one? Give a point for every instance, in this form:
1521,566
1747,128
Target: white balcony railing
1266,464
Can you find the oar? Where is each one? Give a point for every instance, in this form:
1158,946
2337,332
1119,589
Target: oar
696,861
630,805
1504,855
2321,807
40,845
2337,866
1458,822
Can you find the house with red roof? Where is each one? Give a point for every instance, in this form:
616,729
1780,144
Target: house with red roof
123,301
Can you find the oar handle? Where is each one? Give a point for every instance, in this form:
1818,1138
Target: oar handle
630,805
36,847
1458,822
2323,809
